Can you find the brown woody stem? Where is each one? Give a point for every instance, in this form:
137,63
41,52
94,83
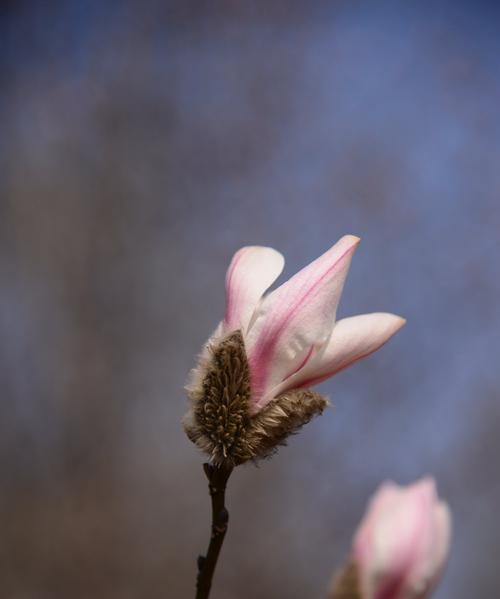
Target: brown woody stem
217,480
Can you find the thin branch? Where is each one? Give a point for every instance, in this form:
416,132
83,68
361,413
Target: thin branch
217,480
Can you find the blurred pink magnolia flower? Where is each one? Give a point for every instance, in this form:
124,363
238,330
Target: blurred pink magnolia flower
291,337
401,545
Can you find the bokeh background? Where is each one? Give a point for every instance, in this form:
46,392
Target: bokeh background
142,144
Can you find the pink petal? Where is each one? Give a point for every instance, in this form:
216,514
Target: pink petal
442,540
431,555
402,542
352,339
384,500
252,271
296,318
377,548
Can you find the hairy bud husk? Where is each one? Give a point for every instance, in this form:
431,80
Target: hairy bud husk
219,421
345,584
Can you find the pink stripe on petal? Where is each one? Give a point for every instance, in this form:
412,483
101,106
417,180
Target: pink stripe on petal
296,317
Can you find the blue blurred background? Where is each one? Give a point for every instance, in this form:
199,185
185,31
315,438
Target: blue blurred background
142,144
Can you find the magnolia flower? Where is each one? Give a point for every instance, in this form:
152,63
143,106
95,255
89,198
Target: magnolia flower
251,387
401,545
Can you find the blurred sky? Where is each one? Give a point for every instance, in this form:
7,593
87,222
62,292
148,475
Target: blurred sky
142,144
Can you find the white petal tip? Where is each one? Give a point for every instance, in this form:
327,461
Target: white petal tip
393,320
353,239
401,321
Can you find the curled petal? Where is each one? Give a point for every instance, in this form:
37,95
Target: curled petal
352,339
296,319
252,271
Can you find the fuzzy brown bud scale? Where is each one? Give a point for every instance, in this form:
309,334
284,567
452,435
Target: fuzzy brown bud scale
345,584
220,422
